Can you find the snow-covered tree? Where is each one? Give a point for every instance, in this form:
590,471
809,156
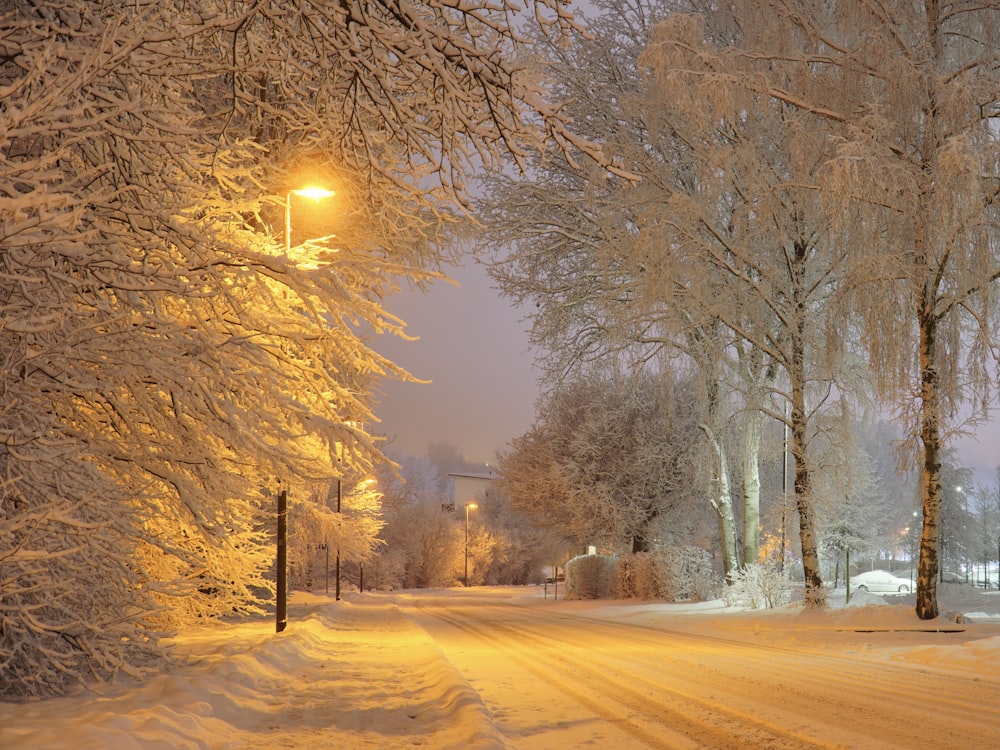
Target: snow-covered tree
720,250
520,549
170,353
560,235
608,462
316,526
909,94
421,540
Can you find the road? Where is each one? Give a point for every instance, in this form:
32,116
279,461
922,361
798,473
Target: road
558,676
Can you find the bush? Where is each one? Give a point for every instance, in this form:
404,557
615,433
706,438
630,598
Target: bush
589,576
678,574
759,585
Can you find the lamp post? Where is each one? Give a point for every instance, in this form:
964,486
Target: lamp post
468,506
324,547
281,593
340,483
281,574
309,192
965,528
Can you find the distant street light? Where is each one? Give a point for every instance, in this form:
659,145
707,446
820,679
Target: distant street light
468,506
315,193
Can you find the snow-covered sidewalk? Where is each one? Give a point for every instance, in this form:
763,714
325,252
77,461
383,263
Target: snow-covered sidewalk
342,675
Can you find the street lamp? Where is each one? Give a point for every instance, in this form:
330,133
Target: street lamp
468,506
965,527
281,565
340,484
324,547
309,192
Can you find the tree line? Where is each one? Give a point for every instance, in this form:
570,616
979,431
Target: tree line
805,216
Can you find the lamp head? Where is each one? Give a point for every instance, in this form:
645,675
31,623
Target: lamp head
314,192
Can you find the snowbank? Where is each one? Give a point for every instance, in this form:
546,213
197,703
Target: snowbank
364,675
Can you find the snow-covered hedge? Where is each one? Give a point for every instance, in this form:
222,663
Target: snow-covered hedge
759,585
589,577
678,574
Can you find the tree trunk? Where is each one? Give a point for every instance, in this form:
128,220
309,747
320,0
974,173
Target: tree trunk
927,567
722,502
749,459
815,595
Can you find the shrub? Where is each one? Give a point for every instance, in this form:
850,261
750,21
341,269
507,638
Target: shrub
677,574
589,576
759,585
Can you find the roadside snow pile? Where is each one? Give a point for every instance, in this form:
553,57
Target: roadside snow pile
359,674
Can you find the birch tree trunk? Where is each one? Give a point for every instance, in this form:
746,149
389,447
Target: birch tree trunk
927,566
722,502
750,463
815,595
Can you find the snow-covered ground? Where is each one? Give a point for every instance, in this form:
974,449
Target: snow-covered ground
367,672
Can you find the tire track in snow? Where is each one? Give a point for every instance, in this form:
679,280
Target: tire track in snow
729,687
955,702
655,714
897,701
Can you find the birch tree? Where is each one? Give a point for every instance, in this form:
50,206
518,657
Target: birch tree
910,93
736,202
722,237
559,237
167,348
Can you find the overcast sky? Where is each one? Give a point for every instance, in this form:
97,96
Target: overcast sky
474,348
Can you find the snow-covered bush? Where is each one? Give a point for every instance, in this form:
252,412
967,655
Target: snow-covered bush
589,576
759,585
73,605
633,578
677,574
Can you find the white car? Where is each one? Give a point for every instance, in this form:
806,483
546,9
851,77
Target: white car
880,581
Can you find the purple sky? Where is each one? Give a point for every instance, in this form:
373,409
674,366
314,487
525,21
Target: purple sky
981,452
473,347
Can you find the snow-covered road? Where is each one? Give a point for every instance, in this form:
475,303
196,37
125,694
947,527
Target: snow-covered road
574,675
506,667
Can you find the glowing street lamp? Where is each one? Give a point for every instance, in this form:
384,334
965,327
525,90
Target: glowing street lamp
316,193
468,506
281,562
